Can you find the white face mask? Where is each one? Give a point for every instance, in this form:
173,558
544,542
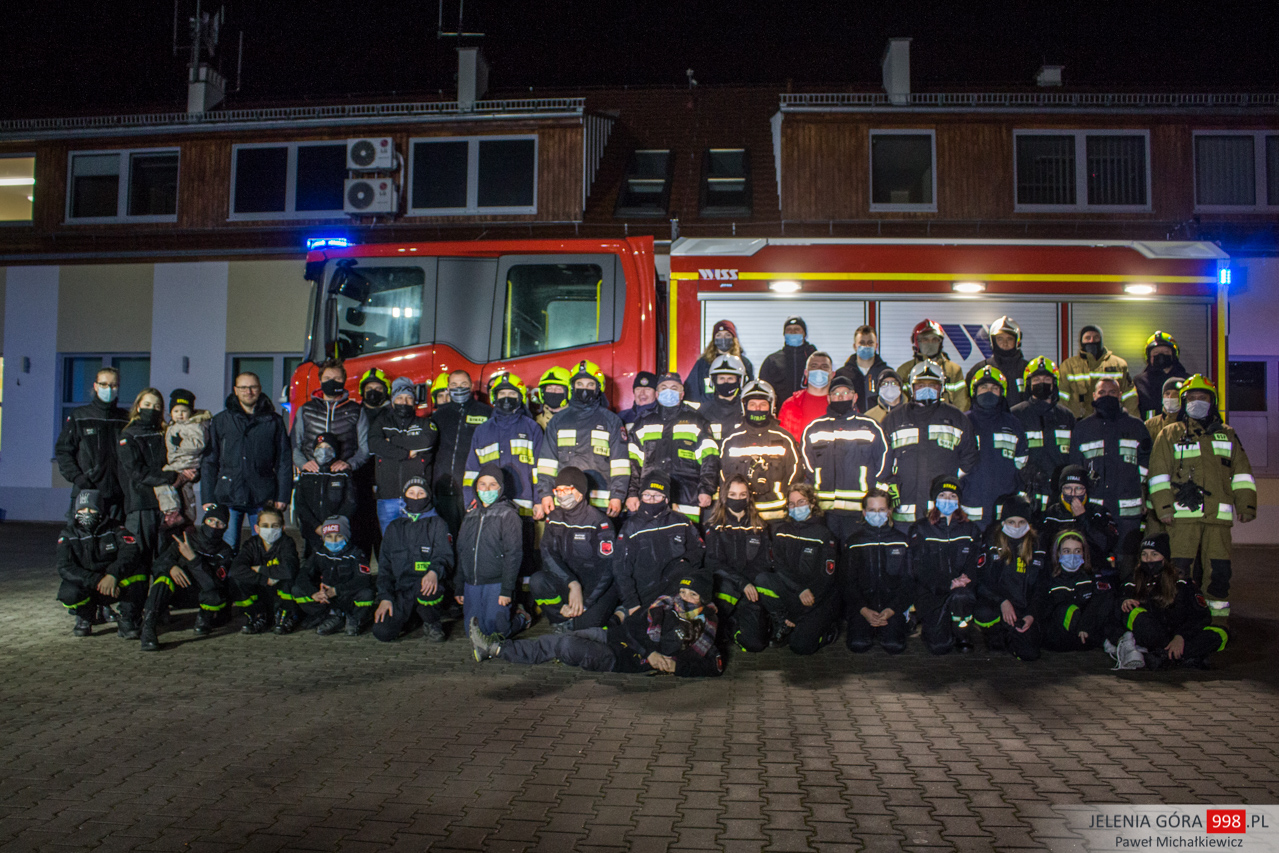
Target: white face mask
270,535
1198,409
890,393
1016,529
1172,405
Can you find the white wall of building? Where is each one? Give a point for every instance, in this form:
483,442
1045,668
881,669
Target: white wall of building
188,321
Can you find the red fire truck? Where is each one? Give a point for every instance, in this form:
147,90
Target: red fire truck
420,309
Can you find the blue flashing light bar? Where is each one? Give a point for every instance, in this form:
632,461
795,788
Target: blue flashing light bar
1223,275
326,243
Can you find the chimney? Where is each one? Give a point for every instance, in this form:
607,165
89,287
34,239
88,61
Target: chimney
205,89
896,64
472,77
1049,75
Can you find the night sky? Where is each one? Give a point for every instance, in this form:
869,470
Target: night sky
72,58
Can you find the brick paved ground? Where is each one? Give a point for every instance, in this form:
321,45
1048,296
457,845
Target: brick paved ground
266,743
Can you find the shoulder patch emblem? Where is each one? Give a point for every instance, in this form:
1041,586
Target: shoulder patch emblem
606,547
830,567
128,540
365,570
1103,585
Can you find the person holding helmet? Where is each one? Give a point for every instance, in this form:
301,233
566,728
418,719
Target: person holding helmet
927,439
1114,448
552,394
927,341
589,437
1002,447
456,422
1163,362
1170,406
675,439
810,402
644,397
698,388
1200,481
784,369
440,390
724,411
1006,357
761,452
888,394
844,455
1079,375
1048,426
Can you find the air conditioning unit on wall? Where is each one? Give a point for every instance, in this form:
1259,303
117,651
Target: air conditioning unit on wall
363,196
370,154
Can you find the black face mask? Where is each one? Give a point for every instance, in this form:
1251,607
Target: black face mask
1042,391
88,520
839,407
507,404
416,506
648,510
404,411
332,387
1107,407
1161,361
757,417
1153,569
987,401
374,397
1093,349
736,504
149,417
553,399
727,390
586,396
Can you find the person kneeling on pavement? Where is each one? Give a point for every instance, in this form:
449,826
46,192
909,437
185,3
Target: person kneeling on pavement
1080,608
335,587
1167,618
659,546
490,549
944,548
191,569
801,594
413,568
736,554
99,563
675,634
575,587
1012,575
878,586
263,575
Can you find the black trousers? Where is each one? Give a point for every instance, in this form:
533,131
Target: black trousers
359,604
939,617
145,525
206,590
862,635
83,601
586,648
1025,645
551,593
251,591
1095,617
409,608
1151,634
815,626
746,621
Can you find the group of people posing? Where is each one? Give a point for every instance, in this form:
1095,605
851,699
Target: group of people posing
1023,502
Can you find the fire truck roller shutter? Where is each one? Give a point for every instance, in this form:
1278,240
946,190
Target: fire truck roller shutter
831,322
965,322
1125,326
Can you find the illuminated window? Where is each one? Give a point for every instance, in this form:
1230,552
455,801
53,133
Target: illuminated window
17,188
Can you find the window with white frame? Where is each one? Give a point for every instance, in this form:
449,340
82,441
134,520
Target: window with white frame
138,185
903,170
295,180
451,176
17,187
1236,170
1057,170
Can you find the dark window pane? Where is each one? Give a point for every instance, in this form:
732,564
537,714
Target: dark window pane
1272,169
726,183
321,177
1117,170
261,179
153,184
645,190
439,174
1045,169
78,376
1225,170
551,307
1247,386
901,169
95,185
465,292
135,374
263,366
507,172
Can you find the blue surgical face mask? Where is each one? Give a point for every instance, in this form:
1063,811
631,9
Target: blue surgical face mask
801,513
668,398
947,506
876,519
107,395
487,497
926,395
819,378
335,547
866,353
794,340
1071,562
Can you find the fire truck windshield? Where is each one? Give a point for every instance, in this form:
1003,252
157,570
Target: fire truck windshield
377,308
